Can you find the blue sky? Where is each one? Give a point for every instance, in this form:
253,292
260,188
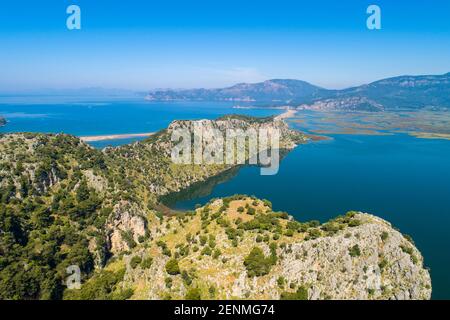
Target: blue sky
150,44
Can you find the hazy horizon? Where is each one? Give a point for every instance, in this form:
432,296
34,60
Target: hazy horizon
49,91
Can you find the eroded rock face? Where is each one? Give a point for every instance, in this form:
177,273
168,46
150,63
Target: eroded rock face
125,227
288,138
366,258
388,266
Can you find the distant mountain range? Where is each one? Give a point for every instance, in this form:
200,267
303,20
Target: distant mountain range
78,92
404,92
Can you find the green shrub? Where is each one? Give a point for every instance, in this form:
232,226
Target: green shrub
281,281
128,238
289,233
193,294
186,278
409,238
216,254
383,263
203,240
212,291
354,223
123,294
267,203
146,263
168,281
206,251
135,261
354,251
256,263
172,267
300,294
314,233
410,251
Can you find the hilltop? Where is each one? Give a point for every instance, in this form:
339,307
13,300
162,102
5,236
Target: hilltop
238,248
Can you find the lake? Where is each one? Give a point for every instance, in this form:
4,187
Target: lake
403,179
400,178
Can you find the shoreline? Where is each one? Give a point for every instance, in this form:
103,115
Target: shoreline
115,136
286,115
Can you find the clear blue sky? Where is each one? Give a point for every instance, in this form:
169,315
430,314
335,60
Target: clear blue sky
189,43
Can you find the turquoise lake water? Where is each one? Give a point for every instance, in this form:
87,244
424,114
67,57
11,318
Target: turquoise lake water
400,178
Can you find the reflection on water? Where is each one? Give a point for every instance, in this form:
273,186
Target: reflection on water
199,189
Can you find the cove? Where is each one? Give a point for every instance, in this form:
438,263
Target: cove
402,179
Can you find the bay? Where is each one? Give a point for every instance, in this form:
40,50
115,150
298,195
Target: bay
400,178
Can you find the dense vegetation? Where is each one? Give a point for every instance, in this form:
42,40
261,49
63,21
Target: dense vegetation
45,205
57,194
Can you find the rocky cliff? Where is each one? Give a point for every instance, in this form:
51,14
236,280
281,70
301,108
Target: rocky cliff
238,248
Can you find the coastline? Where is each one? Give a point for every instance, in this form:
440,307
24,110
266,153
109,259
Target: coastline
114,137
286,115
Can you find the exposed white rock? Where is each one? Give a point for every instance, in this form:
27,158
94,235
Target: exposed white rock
125,219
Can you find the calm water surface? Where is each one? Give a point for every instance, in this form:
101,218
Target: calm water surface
402,179
104,117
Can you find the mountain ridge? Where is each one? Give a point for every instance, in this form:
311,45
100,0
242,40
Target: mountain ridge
406,91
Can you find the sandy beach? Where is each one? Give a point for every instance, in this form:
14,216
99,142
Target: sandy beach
115,136
288,114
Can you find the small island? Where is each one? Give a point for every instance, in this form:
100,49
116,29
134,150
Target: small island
2,121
